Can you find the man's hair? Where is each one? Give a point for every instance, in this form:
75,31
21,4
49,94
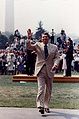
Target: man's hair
46,33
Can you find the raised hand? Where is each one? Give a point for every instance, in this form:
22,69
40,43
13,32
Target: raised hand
29,34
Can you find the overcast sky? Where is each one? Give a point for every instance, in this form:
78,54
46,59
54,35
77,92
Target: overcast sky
56,14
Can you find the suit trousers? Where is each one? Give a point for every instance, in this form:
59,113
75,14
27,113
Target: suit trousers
44,88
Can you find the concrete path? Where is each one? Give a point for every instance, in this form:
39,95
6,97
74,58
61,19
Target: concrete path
32,113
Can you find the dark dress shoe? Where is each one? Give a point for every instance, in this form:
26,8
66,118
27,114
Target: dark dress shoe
41,110
47,110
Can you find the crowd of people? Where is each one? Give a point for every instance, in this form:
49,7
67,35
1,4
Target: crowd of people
16,58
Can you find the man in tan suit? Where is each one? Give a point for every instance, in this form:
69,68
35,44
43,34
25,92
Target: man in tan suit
46,64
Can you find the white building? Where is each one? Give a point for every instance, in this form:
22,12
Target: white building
9,16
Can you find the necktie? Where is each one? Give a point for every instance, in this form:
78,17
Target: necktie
46,51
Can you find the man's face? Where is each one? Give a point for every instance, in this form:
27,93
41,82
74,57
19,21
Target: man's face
45,39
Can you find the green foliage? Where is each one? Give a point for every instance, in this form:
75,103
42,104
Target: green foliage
39,31
3,41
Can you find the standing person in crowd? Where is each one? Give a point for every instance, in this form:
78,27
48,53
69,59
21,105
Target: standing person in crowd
69,56
63,35
61,39
17,34
46,64
52,36
64,65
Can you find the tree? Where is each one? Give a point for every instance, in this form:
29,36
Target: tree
3,41
39,31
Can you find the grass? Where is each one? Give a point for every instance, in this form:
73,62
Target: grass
66,96
12,94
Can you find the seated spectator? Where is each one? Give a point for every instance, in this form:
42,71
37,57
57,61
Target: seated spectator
76,59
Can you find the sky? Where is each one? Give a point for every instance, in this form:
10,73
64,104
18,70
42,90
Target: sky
54,14
2,12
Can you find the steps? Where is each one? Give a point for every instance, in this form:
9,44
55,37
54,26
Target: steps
57,78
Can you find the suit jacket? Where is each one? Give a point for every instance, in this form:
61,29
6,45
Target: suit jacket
52,59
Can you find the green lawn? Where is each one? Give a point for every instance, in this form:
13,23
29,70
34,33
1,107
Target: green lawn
12,94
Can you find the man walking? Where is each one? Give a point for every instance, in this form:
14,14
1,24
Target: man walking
46,64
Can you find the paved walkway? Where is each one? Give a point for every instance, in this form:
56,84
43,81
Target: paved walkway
32,113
